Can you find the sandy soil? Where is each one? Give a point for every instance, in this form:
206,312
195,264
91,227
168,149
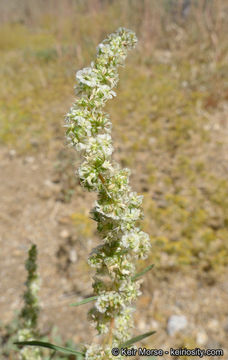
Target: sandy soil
32,210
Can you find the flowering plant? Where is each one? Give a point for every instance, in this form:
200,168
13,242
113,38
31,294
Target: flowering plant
117,209
30,311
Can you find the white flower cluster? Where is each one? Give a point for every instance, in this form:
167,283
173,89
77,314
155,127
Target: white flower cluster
96,352
118,208
28,353
123,324
29,313
138,241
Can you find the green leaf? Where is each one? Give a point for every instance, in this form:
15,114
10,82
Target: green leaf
49,346
148,268
137,338
85,301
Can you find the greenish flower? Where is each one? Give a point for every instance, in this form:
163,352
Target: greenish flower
117,209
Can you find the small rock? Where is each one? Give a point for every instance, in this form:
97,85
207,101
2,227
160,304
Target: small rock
29,160
16,252
64,234
152,140
73,256
12,153
184,84
213,324
201,338
216,126
48,183
176,323
154,325
141,325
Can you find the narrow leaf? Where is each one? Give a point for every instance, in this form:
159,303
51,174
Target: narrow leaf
137,338
148,268
85,301
49,346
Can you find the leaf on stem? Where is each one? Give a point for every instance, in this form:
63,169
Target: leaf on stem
49,346
85,301
137,338
148,268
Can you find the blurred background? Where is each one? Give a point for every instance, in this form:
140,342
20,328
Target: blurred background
170,128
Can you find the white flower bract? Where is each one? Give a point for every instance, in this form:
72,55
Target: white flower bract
117,209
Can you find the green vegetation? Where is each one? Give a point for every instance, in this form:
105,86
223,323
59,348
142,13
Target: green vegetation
24,325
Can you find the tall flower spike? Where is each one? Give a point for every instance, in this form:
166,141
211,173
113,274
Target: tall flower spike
29,314
117,209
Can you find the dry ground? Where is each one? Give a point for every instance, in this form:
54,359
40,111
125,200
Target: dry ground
32,210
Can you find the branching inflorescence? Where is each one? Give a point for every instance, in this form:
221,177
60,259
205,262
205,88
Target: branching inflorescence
117,209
